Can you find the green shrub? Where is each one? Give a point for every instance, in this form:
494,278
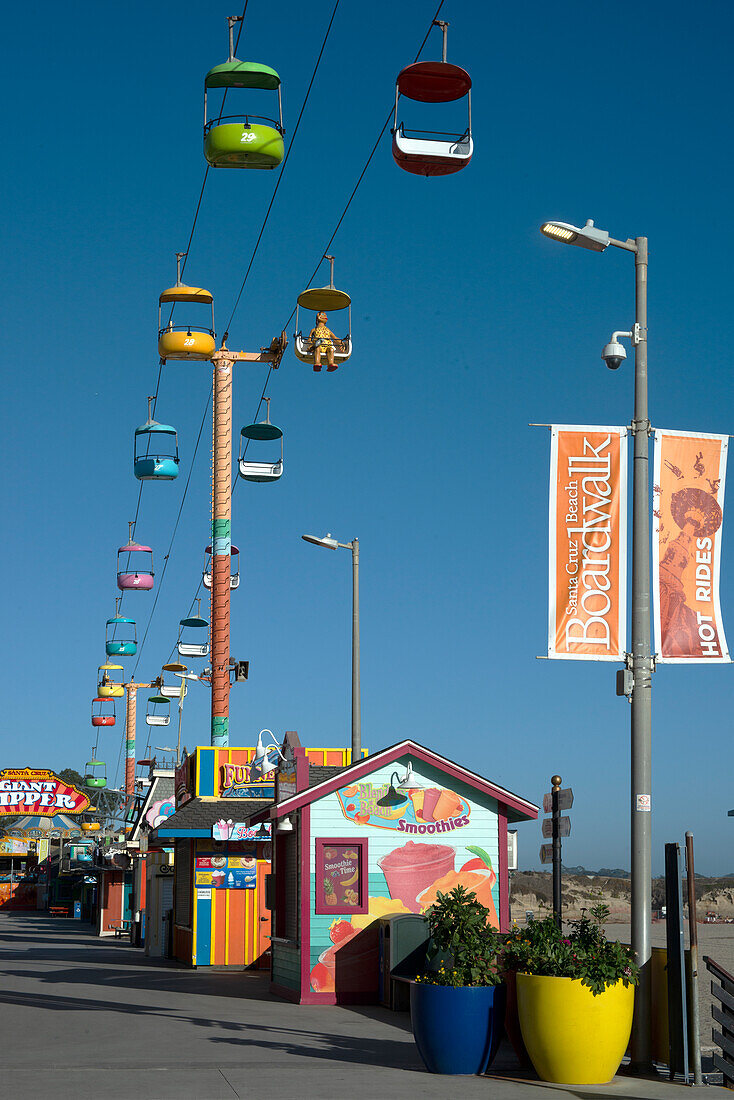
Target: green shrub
585,953
463,948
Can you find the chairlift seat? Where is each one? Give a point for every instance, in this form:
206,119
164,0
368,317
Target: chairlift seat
243,145
303,348
426,155
185,343
172,691
260,471
191,649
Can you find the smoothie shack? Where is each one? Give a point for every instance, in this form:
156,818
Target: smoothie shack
356,847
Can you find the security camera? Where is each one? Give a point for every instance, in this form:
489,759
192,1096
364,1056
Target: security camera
613,354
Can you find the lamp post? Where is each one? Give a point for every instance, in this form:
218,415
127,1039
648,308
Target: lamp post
332,544
640,660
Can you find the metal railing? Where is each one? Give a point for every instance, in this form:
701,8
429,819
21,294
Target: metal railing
722,987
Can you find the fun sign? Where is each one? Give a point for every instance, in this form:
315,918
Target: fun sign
32,791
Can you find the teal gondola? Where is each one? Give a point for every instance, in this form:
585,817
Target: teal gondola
155,456
256,469
192,644
121,638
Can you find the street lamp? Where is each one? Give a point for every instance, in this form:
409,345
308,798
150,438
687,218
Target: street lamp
332,544
640,661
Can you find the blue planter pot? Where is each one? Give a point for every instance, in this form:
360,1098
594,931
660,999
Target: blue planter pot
457,1031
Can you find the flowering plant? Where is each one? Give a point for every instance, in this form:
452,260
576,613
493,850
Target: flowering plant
585,953
463,947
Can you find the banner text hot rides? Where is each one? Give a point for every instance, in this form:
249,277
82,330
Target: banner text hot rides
688,512
588,543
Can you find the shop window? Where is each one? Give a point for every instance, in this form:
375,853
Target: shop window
341,876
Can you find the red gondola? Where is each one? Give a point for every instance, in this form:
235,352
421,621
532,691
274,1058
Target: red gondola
425,152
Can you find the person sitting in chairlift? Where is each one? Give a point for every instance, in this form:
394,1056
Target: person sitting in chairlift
324,340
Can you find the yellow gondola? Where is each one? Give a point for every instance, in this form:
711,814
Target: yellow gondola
321,343
185,341
108,687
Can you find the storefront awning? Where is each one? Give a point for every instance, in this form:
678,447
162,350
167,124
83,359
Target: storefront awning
196,817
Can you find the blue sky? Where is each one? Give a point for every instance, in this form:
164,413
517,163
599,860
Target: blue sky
467,324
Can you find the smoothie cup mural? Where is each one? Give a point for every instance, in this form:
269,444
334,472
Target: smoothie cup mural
416,797
476,875
430,799
412,868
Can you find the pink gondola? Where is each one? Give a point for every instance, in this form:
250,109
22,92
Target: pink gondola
134,566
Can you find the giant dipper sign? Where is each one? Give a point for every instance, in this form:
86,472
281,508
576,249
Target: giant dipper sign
35,791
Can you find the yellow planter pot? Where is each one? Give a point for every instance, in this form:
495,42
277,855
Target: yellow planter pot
573,1037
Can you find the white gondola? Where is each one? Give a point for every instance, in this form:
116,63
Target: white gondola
234,579
172,691
327,299
256,469
158,713
186,647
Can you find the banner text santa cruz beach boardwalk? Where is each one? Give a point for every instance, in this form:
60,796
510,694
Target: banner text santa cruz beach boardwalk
587,611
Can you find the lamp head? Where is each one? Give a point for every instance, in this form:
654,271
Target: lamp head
327,541
411,781
266,757
589,237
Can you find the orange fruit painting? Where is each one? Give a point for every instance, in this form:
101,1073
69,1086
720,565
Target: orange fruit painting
480,881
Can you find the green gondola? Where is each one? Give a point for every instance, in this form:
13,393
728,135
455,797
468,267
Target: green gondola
242,140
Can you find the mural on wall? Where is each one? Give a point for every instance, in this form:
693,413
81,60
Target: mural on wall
414,810
159,811
434,852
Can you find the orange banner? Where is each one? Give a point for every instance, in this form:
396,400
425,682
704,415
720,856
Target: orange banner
688,511
587,611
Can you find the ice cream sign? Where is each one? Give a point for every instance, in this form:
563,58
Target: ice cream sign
228,872
32,791
413,810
